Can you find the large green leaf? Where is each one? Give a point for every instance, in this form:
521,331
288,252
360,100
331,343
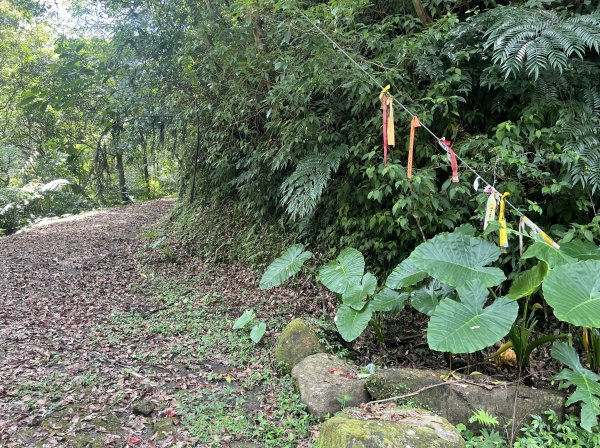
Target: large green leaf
405,274
586,383
258,331
427,298
581,250
544,252
528,282
455,259
351,323
244,319
466,326
573,291
346,270
285,266
388,300
354,294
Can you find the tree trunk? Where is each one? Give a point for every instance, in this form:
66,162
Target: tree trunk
116,132
145,164
121,173
421,13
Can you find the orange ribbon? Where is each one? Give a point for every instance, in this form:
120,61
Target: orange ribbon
415,123
385,128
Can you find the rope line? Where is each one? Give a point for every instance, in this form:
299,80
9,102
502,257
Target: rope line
406,109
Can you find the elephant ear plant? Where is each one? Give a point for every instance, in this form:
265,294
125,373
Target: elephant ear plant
450,278
346,277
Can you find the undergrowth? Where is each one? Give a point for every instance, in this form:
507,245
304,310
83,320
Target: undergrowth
217,232
241,397
548,430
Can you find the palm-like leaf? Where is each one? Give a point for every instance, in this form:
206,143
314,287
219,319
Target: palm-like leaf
536,40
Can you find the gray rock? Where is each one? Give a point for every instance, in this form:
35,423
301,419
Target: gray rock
327,384
457,400
296,342
389,428
143,407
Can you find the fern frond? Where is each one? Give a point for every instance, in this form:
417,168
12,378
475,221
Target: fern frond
537,40
303,189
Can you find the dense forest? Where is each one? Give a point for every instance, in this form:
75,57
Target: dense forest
269,122
247,103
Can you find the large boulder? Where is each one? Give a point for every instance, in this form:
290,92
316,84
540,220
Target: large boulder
295,343
327,384
389,428
460,396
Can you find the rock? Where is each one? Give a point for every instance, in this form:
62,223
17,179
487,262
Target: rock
457,400
295,343
327,384
389,428
143,407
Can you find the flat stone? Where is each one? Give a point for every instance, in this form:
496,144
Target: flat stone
296,342
388,428
143,407
457,400
327,384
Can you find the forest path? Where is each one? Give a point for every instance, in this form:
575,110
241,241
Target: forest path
57,282
112,337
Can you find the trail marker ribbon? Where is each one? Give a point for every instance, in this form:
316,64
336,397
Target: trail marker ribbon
452,156
387,105
414,123
529,223
491,206
502,222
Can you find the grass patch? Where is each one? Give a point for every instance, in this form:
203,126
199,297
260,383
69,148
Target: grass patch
240,396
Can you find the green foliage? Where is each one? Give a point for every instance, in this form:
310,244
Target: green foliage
551,431
586,383
528,282
405,274
484,418
244,319
285,266
455,258
350,322
572,291
536,40
466,326
258,330
344,272
543,431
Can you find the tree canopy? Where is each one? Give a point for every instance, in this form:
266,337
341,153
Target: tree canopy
246,102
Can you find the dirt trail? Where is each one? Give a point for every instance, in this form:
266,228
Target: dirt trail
57,281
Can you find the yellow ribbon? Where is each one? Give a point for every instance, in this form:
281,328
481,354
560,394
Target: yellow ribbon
384,91
502,222
529,223
391,136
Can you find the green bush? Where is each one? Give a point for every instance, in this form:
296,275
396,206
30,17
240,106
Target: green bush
542,432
